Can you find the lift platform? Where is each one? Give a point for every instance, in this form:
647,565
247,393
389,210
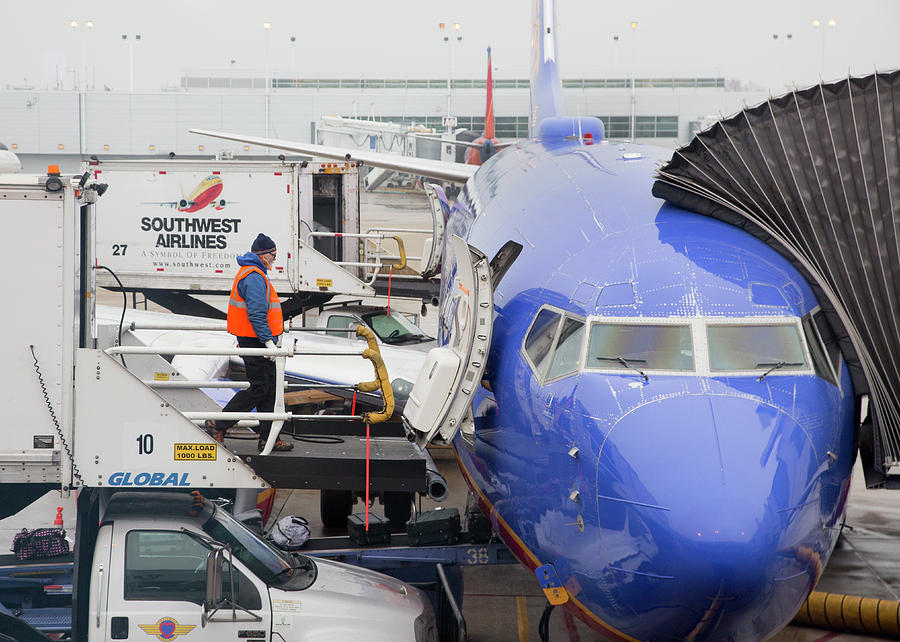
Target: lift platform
332,462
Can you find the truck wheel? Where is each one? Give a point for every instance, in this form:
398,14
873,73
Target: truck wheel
397,508
334,507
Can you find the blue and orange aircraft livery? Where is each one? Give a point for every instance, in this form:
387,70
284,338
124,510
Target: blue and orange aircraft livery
658,422
662,418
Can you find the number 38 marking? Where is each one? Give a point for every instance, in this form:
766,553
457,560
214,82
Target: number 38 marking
477,555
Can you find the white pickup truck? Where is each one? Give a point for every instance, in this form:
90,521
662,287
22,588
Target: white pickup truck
168,564
390,327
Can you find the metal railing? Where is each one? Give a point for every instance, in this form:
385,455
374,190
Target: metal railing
397,230
278,415
370,268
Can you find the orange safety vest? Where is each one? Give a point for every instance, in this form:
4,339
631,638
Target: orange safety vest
238,320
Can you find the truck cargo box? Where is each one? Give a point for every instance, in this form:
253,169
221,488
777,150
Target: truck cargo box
179,225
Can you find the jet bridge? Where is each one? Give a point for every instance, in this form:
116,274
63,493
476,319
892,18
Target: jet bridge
815,173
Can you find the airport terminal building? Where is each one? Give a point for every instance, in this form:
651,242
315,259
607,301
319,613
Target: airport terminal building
62,126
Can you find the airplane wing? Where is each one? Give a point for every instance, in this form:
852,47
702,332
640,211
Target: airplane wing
466,143
455,172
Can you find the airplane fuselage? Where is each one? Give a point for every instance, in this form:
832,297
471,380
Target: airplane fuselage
673,443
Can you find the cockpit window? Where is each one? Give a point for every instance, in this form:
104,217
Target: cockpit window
621,346
540,339
755,347
567,355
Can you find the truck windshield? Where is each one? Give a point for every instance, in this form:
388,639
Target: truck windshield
394,329
274,567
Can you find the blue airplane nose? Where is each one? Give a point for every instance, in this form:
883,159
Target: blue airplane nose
722,492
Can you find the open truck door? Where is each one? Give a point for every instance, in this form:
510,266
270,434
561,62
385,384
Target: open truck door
441,399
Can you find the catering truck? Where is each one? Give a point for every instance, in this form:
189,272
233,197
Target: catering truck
173,229
152,556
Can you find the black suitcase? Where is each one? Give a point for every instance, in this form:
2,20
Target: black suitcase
478,525
379,531
439,526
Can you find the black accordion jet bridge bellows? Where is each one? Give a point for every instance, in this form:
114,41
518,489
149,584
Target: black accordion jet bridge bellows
816,174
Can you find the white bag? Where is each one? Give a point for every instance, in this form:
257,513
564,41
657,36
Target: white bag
290,533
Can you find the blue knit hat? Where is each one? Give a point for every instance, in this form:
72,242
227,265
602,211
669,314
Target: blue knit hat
262,244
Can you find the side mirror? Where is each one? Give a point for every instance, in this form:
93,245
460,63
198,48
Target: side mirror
214,563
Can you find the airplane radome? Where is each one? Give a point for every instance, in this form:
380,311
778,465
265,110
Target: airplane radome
661,421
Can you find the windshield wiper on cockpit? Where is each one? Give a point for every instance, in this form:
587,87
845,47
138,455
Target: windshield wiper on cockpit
775,366
627,363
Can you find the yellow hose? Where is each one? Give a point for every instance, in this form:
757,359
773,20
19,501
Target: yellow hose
402,263
366,333
381,381
851,613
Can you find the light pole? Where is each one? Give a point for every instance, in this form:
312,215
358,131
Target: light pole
267,26
131,42
86,26
293,55
633,97
615,55
448,38
781,53
818,24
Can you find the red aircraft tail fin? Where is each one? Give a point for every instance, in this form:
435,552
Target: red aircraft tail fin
489,109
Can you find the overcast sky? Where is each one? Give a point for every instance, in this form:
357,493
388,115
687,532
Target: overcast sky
400,38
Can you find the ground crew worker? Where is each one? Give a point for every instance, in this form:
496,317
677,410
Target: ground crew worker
254,317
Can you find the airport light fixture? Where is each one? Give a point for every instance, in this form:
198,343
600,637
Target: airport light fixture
293,54
85,26
820,24
633,25
445,29
782,57
267,26
131,42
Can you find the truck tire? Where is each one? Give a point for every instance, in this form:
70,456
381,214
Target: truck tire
397,508
334,507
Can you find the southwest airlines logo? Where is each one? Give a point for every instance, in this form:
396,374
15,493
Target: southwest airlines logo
206,194
167,628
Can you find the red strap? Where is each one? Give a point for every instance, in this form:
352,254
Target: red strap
353,407
390,274
367,476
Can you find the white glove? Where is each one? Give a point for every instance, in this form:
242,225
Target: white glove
271,345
